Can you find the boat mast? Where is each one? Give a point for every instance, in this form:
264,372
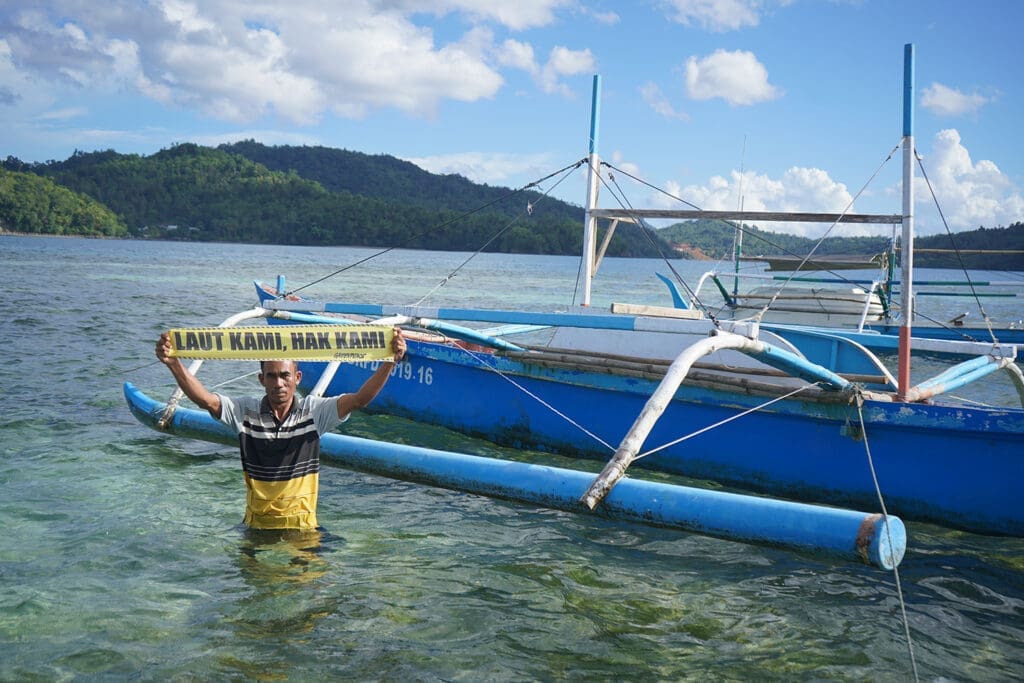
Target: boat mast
907,261
593,178
737,251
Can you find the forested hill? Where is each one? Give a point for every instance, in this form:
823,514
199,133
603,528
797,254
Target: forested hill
389,178
313,196
714,239
29,203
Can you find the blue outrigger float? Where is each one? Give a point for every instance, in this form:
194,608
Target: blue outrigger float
811,416
871,538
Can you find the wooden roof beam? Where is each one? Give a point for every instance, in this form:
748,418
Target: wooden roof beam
748,216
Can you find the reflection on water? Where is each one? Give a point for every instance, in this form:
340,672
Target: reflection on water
286,554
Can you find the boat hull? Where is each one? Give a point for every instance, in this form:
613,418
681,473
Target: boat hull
954,466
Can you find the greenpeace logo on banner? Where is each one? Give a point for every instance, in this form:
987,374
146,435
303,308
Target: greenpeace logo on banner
349,343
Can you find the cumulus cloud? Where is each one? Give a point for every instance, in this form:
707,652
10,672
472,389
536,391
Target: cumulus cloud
947,101
517,55
298,60
562,62
267,136
63,114
518,16
618,159
736,77
9,78
656,99
606,18
715,15
972,194
18,91
492,169
799,189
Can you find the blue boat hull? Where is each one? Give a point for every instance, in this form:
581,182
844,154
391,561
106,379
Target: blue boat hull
952,466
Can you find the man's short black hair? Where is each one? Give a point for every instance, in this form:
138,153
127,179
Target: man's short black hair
295,363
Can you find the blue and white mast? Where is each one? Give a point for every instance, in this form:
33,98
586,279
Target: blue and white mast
907,261
593,183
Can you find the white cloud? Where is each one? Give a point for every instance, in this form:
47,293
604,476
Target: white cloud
265,136
241,61
519,15
186,16
517,55
715,15
564,62
970,194
619,161
63,114
489,168
657,100
800,189
606,18
736,77
947,101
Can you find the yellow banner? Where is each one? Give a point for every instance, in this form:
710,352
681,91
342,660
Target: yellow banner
345,343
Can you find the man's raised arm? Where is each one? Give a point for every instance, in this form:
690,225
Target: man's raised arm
188,383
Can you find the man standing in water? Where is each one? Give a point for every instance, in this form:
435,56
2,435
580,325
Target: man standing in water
279,434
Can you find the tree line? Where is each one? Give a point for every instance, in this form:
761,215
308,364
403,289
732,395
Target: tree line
715,238
249,192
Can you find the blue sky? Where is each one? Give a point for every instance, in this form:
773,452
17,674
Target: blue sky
805,96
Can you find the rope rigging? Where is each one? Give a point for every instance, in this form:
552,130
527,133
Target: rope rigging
817,244
529,211
731,224
959,256
436,229
859,402
624,204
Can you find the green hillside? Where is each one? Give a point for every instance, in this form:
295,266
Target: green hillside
715,238
31,204
385,177
319,197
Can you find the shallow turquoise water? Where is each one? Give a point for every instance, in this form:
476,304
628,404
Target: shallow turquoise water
122,556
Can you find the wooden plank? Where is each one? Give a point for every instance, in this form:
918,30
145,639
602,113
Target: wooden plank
657,311
750,216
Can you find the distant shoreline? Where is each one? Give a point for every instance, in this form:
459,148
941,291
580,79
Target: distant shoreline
698,257
12,233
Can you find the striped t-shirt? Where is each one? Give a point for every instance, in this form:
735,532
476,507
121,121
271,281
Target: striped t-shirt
281,460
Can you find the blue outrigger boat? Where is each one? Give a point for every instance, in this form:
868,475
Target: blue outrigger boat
946,462
808,416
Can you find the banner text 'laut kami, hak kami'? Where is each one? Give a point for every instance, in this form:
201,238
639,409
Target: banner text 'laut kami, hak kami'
345,343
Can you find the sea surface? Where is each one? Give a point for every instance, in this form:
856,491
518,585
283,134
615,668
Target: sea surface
121,555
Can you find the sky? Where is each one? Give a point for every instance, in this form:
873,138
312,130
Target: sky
768,105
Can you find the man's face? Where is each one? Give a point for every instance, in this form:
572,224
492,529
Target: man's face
280,378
